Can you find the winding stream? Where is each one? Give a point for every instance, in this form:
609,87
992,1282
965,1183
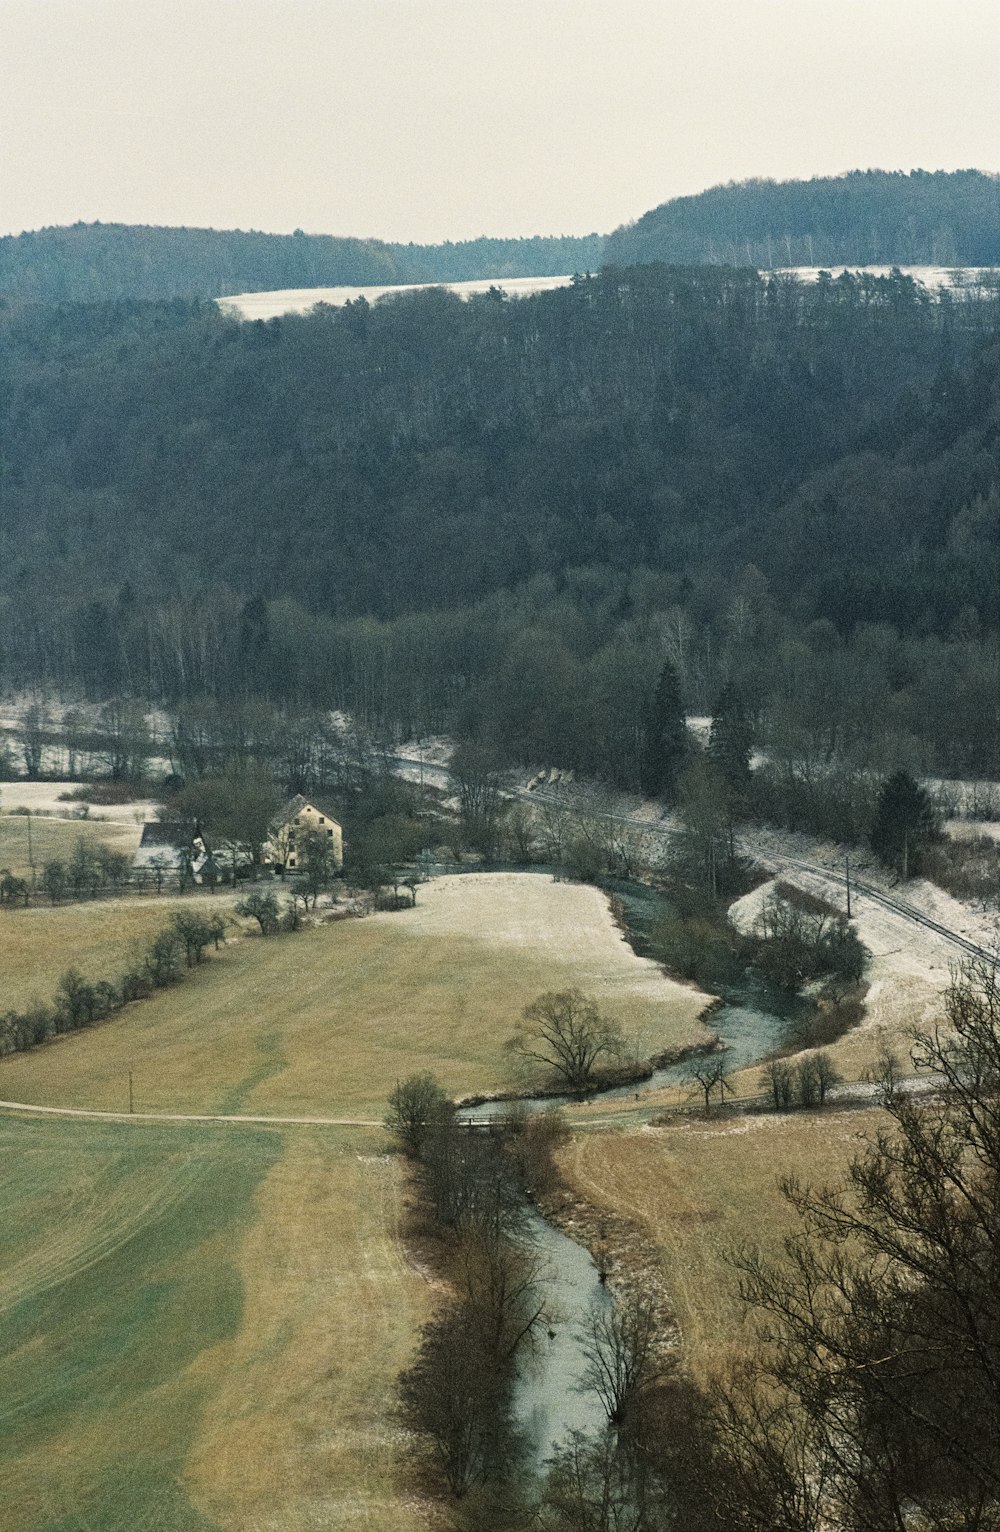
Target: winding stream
548,1401
752,1021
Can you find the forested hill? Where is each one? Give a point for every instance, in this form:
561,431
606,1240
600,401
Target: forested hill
870,217
107,261
501,514
864,218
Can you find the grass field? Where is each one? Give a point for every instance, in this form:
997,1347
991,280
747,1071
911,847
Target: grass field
701,1189
202,1325
326,1021
55,838
100,937
200,1329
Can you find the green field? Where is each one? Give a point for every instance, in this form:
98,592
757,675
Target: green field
202,1324
201,1327
53,838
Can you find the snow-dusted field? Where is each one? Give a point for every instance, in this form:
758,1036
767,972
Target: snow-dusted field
567,925
910,966
299,300
955,278
43,798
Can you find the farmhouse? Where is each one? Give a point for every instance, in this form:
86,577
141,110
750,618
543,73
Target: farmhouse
286,848
171,849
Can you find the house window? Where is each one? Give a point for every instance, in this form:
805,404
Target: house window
291,861
329,832
322,820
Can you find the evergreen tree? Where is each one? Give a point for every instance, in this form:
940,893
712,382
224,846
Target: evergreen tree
730,742
666,738
904,824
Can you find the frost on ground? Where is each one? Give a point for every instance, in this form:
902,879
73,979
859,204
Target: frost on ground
43,798
910,967
567,925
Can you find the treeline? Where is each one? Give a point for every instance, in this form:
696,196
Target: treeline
81,1002
458,1393
867,217
874,217
863,1394
109,262
500,518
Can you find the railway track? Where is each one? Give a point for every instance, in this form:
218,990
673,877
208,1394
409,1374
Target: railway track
665,832
897,906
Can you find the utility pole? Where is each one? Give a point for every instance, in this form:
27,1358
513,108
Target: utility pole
847,865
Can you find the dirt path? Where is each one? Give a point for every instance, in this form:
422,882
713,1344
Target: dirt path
281,1122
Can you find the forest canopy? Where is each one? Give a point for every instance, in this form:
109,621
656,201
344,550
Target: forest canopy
868,217
948,218
502,516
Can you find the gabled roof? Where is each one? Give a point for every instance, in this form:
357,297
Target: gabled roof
168,832
295,806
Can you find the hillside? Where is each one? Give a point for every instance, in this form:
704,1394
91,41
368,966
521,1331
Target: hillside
868,217
497,517
108,261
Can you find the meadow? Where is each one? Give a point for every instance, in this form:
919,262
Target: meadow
54,837
100,937
324,1022
701,1189
202,1324
201,1329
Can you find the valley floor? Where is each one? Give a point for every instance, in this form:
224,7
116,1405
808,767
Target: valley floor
203,1323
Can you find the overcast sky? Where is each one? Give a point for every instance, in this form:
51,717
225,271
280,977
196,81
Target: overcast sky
437,119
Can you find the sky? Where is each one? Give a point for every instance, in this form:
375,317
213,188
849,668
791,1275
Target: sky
446,119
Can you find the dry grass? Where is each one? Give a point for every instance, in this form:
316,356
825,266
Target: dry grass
568,925
702,1189
204,1324
327,1021
99,937
55,838
202,1328
300,1430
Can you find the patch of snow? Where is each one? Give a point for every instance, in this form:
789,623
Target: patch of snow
299,300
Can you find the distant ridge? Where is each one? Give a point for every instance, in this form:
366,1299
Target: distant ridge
98,262
866,217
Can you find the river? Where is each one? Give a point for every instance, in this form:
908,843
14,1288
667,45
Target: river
548,1400
752,1021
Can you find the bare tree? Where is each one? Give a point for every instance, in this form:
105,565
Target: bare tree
815,1076
625,1359
503,1282
417,1106
778,1077
879,1330
482,782
32,736
564,1031
709,1075
459,1400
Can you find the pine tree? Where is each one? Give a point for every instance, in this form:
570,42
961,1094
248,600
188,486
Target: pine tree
730,742
904,824
666,744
